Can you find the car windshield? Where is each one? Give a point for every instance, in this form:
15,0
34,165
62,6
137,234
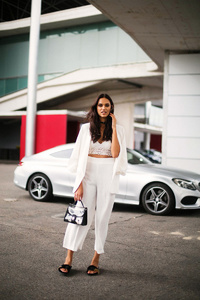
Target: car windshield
135,158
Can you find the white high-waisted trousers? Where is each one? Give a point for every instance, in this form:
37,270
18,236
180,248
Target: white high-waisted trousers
99,201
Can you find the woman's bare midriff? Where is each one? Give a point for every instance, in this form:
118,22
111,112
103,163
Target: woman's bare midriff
99,156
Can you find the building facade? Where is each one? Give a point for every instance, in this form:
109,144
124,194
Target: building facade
81,54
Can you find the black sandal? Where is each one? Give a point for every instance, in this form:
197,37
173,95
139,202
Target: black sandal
94,269
66,267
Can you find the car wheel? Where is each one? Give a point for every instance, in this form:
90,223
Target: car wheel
39,187
158,199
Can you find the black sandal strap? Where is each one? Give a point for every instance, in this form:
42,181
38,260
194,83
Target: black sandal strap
94,269
66,267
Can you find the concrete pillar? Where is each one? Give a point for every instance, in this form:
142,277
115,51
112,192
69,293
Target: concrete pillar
124,113
32,76
147,140
181,104
147,135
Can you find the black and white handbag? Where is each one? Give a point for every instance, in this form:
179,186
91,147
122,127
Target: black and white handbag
76,214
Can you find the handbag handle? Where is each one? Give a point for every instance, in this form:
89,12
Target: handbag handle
75,202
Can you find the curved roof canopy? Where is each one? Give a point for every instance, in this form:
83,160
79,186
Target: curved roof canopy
157,25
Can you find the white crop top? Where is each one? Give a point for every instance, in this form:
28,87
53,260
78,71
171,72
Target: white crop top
103,148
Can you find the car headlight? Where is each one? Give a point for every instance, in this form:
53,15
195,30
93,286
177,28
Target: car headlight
184,184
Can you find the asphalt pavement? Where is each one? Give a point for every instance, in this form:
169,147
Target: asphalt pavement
146,257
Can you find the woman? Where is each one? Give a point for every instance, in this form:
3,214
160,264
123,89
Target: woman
99,157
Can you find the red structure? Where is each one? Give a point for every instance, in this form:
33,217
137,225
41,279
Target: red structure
156,142
51,130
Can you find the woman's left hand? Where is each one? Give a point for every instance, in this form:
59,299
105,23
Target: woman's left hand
114,121
115,147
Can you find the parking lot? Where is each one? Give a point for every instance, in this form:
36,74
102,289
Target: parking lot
146,257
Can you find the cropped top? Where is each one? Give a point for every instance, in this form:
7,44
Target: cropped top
103,148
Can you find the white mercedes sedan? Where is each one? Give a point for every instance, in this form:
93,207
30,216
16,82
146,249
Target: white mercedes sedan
157,188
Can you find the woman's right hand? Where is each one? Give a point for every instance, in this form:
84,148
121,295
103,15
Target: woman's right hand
78,195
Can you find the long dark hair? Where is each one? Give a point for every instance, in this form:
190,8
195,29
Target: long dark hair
93,119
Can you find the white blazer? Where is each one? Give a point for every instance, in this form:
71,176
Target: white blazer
78,160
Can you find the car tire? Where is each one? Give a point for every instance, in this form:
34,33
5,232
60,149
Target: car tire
158,199
39,187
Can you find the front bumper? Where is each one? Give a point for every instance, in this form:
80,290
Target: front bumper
190,202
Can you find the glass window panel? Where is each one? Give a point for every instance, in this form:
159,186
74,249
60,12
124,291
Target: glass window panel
62,154
22,83
2,88
40,78
11,85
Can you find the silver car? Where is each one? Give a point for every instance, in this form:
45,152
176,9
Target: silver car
157,188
